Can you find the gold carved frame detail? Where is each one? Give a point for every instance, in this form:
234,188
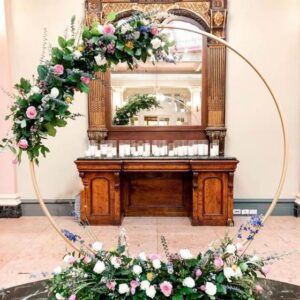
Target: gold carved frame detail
212,15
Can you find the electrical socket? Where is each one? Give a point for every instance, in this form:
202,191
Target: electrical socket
236,211
245,211
252,211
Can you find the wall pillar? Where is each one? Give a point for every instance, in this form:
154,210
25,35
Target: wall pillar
10,204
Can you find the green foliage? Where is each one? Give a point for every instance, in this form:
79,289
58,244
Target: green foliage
133,107
51,93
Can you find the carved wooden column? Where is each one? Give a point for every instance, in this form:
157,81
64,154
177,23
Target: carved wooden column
216,75
99,90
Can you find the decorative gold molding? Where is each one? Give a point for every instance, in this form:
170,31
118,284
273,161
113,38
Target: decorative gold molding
201,9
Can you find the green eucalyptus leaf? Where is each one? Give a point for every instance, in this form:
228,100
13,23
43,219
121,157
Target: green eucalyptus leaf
42,71
62,42
50,129
111,16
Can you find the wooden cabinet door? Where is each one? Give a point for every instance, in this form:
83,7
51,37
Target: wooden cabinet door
101,199
210,198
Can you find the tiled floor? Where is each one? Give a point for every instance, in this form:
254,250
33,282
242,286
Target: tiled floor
29,246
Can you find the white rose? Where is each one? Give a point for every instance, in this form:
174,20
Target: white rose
156,263
57,270
115,261
230,249
137,269
59,296
210,289
238,272
254,258
189,282
68,258
145,285
136,35
100,61
145,22
156,43
143,256
185,254
35,90
100,29
77,54
150,291
228,273
239,247
99,267
97,246
123,288
126,28
54,92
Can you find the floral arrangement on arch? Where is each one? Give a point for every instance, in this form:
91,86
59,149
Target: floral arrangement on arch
42,105
134,105
223,271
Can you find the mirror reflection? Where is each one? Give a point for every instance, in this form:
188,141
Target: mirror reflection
164,94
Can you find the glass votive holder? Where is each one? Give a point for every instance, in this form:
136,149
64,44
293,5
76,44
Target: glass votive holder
133,148
155,148
163,148
121,148
103,148
171,149
203,147
214,148
147,149
185,147
140,148
190,148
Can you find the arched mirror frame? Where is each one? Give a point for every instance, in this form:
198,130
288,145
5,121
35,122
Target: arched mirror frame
207,15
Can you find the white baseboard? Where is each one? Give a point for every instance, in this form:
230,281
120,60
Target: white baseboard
297,199
10,200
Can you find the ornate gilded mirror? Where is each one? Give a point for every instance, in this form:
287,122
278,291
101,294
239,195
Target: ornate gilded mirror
182,100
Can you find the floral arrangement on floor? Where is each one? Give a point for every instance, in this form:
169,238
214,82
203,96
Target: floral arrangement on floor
42,105
134,105
224,271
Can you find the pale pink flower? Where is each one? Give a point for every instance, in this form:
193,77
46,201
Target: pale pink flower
259,289
58,69
111,285
31,112
108,29
15,161
154,256
154,30
134,283
23,144
265,270
218,262
198,273
202,288
71,259
72,297
166,288
87,259
85,79
111,48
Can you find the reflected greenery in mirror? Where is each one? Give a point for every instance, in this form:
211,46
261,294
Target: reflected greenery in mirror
176,87
126,114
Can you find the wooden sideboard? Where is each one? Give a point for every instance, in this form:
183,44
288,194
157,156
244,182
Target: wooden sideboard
201,189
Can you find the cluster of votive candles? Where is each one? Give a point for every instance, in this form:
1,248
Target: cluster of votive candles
156,148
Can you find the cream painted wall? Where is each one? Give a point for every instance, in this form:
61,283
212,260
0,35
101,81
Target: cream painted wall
267,31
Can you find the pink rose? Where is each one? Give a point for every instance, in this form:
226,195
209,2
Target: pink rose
71,259
154,256
111,285
202,288
72,297
134,283
198,273
23,144
259,289
154,30
218,262
166,288
87,259
85,80
58,69
265,270
108,29
31,112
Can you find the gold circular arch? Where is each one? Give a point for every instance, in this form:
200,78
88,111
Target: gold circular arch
275,102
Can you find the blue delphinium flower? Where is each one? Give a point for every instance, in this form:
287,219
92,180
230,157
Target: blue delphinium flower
71,236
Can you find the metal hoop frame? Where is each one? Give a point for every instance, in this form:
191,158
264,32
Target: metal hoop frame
275,102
